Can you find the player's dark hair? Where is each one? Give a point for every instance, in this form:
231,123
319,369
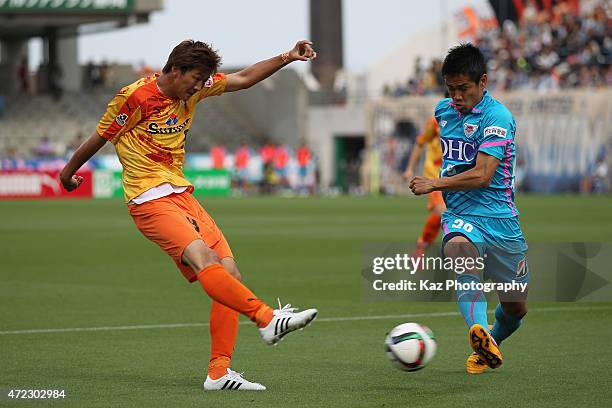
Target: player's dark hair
465,59
191,54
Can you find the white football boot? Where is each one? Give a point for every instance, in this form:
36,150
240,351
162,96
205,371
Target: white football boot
231,381
285,321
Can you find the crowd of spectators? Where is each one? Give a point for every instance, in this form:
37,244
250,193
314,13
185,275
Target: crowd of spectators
551,50
546,50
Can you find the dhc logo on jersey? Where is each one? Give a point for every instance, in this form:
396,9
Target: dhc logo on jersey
458,150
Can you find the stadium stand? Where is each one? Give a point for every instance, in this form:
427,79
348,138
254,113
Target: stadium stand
547,50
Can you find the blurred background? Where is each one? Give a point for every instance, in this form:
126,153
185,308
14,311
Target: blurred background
343,124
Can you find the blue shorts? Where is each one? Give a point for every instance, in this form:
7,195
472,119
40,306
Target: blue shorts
499,240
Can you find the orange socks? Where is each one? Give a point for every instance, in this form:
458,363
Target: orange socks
225,289
223,333
217,367
230,297
431,228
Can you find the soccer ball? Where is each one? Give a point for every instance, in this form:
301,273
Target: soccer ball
410,346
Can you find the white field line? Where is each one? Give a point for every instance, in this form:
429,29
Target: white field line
319,320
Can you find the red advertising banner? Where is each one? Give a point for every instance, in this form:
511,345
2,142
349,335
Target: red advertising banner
41,184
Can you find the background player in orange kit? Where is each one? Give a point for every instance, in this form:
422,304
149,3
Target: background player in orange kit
147,121
431,169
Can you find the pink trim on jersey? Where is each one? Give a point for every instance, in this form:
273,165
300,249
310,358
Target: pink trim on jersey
497,143
464,319
455,108
445,229
472,308
507,180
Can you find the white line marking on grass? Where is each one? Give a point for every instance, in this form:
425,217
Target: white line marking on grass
319,320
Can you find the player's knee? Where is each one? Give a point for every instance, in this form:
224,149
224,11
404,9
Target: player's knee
459,246
206,257
199,256
236,273
231,268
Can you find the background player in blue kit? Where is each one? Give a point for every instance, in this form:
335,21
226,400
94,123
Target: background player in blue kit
477,181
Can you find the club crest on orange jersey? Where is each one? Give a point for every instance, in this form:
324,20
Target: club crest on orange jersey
172,120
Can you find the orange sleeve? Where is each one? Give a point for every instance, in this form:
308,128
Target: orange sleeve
122,114
429,133
214,86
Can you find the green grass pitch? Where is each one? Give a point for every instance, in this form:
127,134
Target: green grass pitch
83,264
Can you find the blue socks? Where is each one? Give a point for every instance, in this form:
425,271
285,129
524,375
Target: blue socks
473,306
472,303
504,325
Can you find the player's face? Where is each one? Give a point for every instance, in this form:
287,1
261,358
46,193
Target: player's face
465,92
190,82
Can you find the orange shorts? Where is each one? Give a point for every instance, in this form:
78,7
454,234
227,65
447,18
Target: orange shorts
435,198
173,222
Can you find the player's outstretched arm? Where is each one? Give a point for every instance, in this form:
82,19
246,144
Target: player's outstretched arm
82,154
302,51
477,177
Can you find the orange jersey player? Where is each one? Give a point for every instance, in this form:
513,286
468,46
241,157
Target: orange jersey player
431,168
147,122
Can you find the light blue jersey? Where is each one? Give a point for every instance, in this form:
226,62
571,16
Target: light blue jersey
486,216
489,128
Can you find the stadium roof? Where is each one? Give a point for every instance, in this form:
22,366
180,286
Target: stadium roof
32,18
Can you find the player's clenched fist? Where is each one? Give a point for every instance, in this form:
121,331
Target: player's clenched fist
72,182
422,185
302,51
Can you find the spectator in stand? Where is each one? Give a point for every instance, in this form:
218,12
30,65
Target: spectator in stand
241,163
267,153
281,161
269,181
217,154
11,160
44,149
304,158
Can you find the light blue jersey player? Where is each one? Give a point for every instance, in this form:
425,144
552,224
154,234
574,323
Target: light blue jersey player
477,181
